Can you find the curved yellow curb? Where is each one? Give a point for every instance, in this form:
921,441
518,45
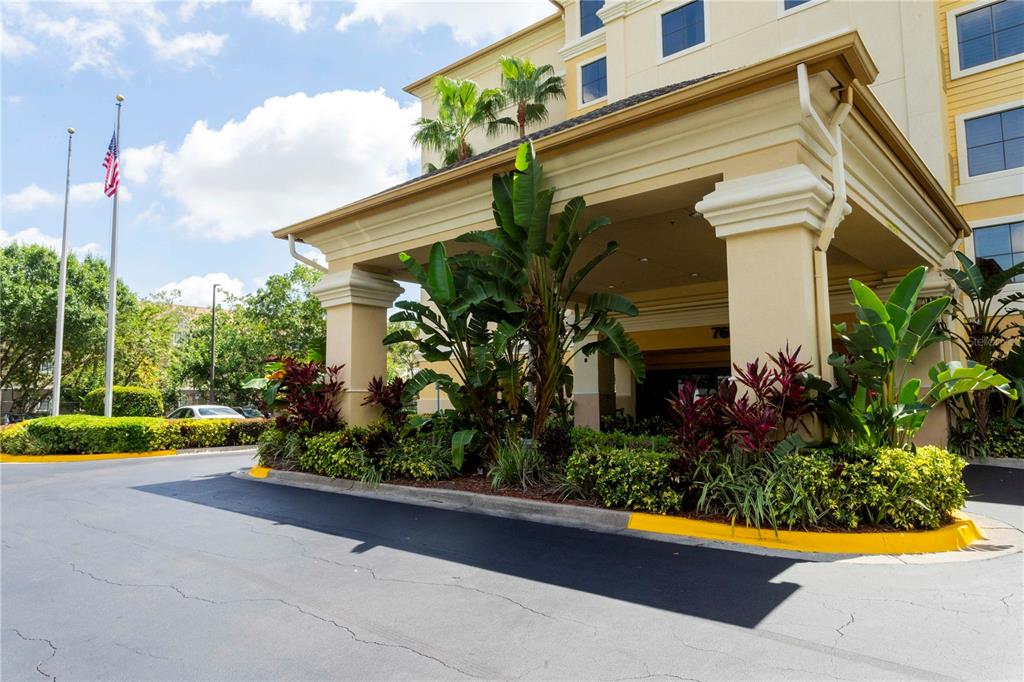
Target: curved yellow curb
84,458
259,472
954,536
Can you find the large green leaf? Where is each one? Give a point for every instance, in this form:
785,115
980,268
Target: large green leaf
460,441
953,378
440,280
566,226
903,298
919,332
526,184
604,302
502,190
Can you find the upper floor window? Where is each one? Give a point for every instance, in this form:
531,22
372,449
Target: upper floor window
792,4
1002,243
594,80
682,28
589,21
995,141
990,33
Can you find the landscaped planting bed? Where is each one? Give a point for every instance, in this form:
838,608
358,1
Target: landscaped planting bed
87,434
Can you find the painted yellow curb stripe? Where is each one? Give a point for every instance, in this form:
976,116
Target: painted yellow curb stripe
956,535
259,472
85,458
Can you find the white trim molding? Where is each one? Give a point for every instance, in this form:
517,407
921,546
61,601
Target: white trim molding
998,185
659,30
783,12
614,9
592,40
356,286
954,45
787,197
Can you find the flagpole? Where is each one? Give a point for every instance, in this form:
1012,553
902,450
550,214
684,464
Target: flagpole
58,348
108,396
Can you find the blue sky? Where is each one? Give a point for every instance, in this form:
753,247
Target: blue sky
240,117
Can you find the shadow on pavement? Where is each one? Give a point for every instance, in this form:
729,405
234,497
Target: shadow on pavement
720,585
995,484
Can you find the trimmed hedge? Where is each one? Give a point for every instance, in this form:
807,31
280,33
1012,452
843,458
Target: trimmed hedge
129,401
639,480
584,438
88,434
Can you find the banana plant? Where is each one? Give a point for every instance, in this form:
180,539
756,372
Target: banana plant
471,325
555,324
874,400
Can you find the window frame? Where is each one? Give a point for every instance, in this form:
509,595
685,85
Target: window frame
954,45
783,12
659,30
995,185
580,104
991,222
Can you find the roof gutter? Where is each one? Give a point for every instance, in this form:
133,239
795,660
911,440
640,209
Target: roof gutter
302,259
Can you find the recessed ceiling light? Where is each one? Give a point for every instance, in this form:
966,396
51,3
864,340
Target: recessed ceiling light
611,286
643,259
694,274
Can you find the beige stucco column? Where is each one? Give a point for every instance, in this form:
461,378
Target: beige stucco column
770,222
357,305
593,388
625,388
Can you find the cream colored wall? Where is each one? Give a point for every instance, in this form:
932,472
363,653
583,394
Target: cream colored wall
898,35
540,46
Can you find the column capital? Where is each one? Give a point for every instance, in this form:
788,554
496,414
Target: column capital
788,197
360,287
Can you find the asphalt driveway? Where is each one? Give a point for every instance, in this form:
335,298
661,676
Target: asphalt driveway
168,568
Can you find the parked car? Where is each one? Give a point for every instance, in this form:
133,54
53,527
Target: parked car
205,412
249,412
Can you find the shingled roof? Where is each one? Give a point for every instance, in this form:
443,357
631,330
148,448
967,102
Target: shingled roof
607,109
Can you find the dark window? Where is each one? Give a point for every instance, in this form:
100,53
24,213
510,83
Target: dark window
589,21
992,32
790,4
1002,243
594,80
995,142
681,28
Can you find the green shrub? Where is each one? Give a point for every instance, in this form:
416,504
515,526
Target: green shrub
833,487
14,439
247,431
1005,440
329,454
640,480
279,449
85,434
200,433
517,465
584,438
129,401
421,457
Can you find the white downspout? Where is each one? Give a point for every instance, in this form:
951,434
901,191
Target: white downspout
837,210
302,259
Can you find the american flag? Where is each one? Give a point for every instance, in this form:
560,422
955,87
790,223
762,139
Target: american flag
113,178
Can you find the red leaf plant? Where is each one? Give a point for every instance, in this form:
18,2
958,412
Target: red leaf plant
309,390
388,396
769,410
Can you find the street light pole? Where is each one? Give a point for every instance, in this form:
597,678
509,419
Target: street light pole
213,342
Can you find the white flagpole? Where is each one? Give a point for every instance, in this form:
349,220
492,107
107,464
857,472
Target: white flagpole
108,396
58,348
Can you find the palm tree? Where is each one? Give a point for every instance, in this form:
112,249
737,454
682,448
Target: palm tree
529,87
462,107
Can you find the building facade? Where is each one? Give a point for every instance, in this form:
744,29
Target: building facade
752,157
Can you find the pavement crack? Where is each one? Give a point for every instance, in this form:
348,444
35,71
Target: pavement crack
839,630
351,633
140,652
39,665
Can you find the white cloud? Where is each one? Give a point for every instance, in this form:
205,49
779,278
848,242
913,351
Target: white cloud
292,13
289,159
13,99
138,162
185,50
187,9
29,198
198,289
34,236
91,34
91,192
14,46
470,21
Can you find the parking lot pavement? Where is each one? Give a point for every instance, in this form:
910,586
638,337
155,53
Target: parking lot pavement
169,568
